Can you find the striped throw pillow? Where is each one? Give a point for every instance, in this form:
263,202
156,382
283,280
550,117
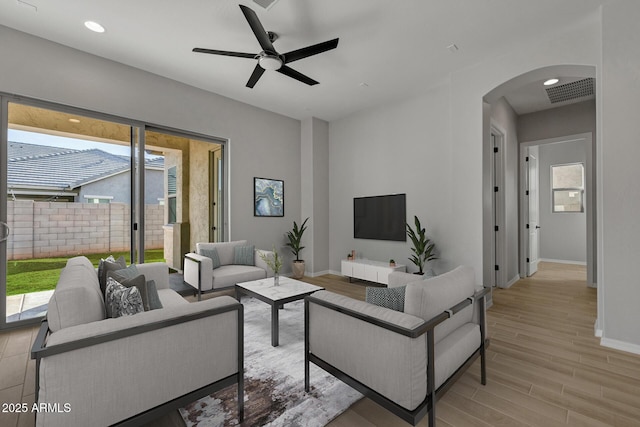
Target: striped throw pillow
213,254
244,255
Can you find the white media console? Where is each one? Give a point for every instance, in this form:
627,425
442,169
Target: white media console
373,271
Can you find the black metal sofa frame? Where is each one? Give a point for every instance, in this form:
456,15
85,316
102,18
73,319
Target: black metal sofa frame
40,351
428,404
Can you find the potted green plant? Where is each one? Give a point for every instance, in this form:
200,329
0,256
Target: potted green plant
295,243
274,262
422,247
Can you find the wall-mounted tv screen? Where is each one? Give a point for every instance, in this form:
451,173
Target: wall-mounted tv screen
380,217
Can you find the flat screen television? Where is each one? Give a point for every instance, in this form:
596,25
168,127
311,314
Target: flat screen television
380,217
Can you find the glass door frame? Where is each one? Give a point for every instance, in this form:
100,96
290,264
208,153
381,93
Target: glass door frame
137,143
137,187
224,216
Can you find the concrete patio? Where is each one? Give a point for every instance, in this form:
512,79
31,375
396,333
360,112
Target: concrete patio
27,306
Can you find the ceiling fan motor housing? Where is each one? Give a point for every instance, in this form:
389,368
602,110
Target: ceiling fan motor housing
269,62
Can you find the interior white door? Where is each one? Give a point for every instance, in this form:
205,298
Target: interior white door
534,207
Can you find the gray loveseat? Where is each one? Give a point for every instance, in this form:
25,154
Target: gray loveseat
132,369
402,360
230,268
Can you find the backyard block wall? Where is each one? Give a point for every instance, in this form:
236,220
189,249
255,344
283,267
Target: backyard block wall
53,229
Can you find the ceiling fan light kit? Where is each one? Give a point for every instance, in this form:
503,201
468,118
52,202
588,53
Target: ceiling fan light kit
270,62
269,58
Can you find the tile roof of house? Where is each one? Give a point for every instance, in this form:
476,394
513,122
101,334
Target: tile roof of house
38,166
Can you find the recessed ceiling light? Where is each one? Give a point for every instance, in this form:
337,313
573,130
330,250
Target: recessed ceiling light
551,82
74,120
94,26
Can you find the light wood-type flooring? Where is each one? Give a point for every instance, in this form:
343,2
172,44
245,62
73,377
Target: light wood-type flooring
545,367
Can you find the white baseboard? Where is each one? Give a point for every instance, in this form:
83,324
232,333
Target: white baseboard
597,329
562,261
511,282
620,345
319,273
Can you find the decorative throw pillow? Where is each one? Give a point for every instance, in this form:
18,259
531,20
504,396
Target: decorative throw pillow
154,298
213,254
129,272
244,255
392,298
106,265
138,281
122,301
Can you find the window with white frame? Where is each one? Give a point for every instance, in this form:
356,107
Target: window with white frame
98,199
567,188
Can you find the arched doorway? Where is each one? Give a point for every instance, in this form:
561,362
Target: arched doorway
511,110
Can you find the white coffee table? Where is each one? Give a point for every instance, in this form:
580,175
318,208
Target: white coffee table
276,296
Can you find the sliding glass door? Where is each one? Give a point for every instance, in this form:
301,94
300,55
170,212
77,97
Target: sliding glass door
83,183
70,187
193,190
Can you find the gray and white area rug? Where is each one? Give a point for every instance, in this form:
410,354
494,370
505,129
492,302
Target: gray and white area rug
274,379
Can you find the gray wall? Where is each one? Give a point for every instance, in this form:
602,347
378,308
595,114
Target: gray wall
574,119
620,151
568,120
315,194
402,147
505,118
563,236
261,143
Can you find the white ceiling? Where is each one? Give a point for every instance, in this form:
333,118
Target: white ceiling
397,48
532,97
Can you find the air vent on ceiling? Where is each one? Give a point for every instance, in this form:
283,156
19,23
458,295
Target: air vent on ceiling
267,4
570,91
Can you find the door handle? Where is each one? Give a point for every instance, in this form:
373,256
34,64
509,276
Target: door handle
5,231
537,227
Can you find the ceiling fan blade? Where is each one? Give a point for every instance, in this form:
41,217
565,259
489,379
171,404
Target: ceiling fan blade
258,29
255,76
288,71
305,52
225,53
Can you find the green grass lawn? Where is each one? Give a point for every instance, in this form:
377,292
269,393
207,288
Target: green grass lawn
34,275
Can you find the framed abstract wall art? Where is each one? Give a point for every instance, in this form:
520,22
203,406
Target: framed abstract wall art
268,197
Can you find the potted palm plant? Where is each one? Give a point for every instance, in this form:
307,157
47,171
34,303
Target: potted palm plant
422,247
295,243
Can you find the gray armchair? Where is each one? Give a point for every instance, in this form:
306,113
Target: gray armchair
201,273
402,360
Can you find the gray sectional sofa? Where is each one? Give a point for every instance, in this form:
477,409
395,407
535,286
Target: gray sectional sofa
132,369
402,360
205,275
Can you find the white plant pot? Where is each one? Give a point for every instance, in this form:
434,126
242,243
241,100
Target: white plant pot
297,269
